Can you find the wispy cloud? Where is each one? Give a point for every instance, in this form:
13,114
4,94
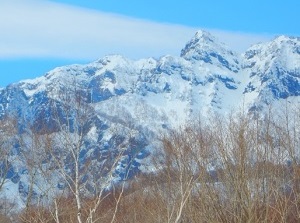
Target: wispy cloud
33,28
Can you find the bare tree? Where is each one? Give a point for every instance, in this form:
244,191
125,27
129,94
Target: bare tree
59,145
8,130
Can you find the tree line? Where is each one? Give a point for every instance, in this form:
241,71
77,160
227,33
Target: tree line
240,167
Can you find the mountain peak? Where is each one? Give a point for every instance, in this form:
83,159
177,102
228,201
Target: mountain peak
203,35
278,49
206,48
202,40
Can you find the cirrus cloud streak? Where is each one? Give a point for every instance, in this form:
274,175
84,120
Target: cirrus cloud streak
35,29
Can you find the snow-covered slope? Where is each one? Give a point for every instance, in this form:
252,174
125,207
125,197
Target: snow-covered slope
273,70
132,102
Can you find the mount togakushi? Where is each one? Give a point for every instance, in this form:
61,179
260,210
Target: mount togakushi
126,104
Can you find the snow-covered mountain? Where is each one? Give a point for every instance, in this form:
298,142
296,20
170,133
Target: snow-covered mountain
132,102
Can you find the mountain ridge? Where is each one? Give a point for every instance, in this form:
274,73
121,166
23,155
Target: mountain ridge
203,61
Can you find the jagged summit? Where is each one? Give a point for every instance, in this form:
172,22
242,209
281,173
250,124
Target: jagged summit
206,48
202,41
203,35
282,52
273,69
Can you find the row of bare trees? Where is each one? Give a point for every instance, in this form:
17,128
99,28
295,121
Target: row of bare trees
241,168
233,169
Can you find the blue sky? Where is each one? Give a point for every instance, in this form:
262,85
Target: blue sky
38,35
